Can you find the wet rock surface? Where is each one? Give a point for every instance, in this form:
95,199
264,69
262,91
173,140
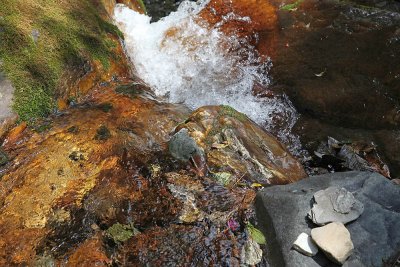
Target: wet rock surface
234,144
378,150
98,186
282,210
362,86
335,61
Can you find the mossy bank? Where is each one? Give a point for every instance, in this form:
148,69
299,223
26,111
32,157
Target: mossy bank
42,42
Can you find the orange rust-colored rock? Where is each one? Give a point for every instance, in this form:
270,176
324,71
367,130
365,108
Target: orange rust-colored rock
90,253
60,166
15,133
234,144
263,21
105,161
79,88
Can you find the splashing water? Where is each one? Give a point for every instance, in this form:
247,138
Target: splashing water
187,61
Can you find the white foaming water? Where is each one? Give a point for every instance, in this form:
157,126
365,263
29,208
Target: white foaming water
189,63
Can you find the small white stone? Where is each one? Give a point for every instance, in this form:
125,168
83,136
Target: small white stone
305,245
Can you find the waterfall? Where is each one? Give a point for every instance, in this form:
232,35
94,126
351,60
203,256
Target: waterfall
185,60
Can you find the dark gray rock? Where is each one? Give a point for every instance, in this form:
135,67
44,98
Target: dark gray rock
281,211
183,147
335,204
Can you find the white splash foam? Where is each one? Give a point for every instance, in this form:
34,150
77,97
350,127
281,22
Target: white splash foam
189,63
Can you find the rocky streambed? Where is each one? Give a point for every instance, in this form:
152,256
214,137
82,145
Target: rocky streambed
120,175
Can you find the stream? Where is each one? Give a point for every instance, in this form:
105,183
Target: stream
186,61
165,164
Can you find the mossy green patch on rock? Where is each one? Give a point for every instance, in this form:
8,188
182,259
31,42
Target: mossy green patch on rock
223,178
103,133
3,157
128,89
231,112
40,40
105,107
121,233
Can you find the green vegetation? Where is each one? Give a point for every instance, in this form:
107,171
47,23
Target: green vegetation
102,133
293,6
256,234
120,232
223,178
105,107
231,112
42,126
3,158
128,89
41,39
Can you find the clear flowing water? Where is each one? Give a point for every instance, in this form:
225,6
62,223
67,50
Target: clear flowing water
186,61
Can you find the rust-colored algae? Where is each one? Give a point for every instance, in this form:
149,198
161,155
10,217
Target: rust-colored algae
261,29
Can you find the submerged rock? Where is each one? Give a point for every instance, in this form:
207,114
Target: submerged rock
234,144
71,198
282,210
334,240
335,205
56,169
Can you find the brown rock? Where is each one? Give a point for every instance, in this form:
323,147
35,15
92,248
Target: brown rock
90,253
263,21
180,245
334,240
246,150
42,176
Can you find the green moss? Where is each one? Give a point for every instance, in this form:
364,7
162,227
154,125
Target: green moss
128,89
42,127
102,133
121,233
231,112
105,107
70,33
73,129
293,6
223,178
3,158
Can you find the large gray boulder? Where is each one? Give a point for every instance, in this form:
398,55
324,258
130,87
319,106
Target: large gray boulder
282,214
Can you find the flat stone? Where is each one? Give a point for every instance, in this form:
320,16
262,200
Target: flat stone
334,240
335,205
281,213
305,245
